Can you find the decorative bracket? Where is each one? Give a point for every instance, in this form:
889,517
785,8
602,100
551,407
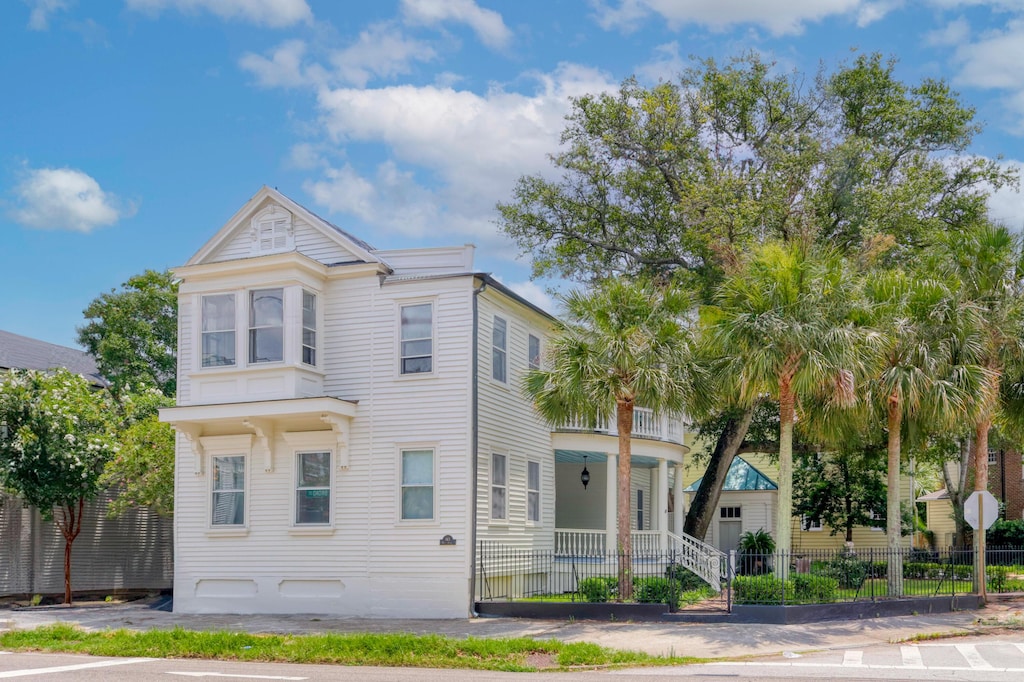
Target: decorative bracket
264,431
339,427
193,433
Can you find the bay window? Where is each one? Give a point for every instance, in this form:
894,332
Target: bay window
218,330
266,325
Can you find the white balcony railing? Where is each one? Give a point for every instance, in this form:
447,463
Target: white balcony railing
646,424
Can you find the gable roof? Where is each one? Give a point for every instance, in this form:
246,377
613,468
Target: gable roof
357,246
22,352
742,475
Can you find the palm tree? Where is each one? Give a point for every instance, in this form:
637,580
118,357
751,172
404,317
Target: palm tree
623,344
919,375
782,328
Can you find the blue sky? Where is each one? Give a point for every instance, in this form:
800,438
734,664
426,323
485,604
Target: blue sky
133,129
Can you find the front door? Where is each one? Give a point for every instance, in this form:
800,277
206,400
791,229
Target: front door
729,535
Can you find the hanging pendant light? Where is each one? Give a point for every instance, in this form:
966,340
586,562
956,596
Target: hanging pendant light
584,475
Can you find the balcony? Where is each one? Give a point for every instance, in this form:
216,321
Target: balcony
646,424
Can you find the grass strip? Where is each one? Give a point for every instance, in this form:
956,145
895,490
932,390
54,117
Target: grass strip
389,650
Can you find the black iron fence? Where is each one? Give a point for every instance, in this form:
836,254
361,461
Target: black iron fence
510,574
797,577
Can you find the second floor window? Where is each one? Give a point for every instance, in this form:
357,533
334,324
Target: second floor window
499,353
533,352
266,325
218,322
309,328
417,342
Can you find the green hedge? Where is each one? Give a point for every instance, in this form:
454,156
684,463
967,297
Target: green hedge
801,588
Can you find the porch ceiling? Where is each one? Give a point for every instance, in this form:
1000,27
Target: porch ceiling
576,457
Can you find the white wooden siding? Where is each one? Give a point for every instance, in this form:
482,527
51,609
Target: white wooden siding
509,425
309,241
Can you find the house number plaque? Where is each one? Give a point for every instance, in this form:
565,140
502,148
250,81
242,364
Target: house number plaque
447,540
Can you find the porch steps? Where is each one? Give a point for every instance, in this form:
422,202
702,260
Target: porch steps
704,560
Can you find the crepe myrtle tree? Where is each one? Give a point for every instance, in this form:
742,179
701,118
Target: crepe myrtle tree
55,438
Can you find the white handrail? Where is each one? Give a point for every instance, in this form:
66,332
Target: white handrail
701,558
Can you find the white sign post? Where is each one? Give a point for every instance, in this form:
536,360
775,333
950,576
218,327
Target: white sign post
980,511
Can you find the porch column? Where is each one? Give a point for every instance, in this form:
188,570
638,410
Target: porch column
677,493
609,504
663,504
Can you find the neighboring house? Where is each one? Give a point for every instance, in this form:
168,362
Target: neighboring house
1005,482
352,429
130,552
748,503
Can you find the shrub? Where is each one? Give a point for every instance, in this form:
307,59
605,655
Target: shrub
814,589
848,571
598,589
1003,533
961,572
654,590
687,579
922,570
760,589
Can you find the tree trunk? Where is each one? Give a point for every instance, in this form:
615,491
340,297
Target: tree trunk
980,483
70,526
624,417
784,511
892,500
956,491
705,501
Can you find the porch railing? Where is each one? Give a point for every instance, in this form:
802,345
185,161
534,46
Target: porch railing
701,558
580,542
646,424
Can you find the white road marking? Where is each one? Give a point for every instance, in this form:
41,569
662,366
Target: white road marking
974,659
809,664
853,659
248,677
78,666
911,657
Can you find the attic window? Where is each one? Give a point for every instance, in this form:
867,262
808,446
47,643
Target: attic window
272,231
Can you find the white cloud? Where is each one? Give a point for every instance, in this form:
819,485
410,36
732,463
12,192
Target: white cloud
952,34
993,61
283,69
66,199
42,10
1006,205
665,66
470,147
779,16
870,12
273,13
381,50
487,24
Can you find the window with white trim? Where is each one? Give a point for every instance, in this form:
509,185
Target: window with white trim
533,491
533,352
499,487
993,456
417,485
308,328
228,508
499,350
312,488
875,516
730,512
810,524
417,331
266,325
218,330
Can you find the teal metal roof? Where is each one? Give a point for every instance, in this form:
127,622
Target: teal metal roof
742,476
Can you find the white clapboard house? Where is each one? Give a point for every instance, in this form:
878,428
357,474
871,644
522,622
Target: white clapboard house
351,428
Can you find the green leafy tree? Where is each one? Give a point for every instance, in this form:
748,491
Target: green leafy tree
622,345
782,325
55,438
840,488
133,333
142,470
682,179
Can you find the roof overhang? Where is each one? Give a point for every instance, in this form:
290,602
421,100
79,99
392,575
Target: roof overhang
643,450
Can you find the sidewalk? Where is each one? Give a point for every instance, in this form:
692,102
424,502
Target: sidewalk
724,640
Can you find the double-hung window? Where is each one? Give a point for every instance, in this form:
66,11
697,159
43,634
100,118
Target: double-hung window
266,325
218,342
228,491
312,488
499,487
499,350
417,485
417,328
308,328
533,491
